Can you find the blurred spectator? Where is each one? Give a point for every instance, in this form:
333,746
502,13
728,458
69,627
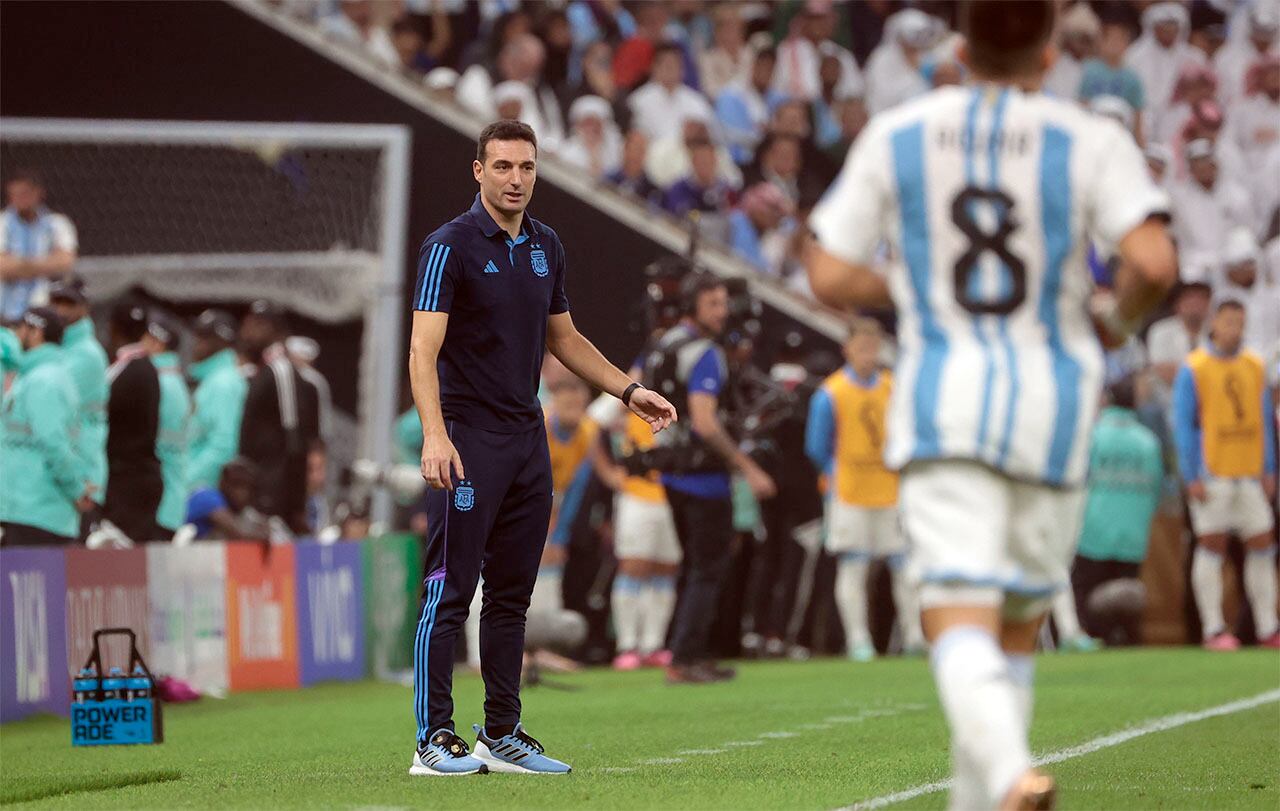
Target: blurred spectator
519,72
742,107
35,245
1159,159
594,21
780,161
893,71
1115,108
800,55
1254,124
1234,60
1078,33
352,520
226,512
161,343
218,401
1208,31
1205,123
663,104
134,482
791,118
631,177
281,418
353,24
597,77
634,58
668,158
1171,339
557,38
86,363
1205,209
1126,478
944,73
41,506
702,190
596,144
1108,75
1244,279
754,226
1159,55
416,54
304,352
442,84
317,490
853,117
826,122
1195,84
729,59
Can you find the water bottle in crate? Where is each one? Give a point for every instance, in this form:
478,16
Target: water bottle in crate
119,707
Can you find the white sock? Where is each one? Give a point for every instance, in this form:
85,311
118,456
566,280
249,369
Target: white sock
659,596
1260,585
626,612
1022,673
967,791
982,706
851,600
1064,615
1206,583
907,602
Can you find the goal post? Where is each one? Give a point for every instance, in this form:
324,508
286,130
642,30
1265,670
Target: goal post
312,216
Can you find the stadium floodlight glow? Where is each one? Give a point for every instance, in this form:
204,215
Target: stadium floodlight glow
312,216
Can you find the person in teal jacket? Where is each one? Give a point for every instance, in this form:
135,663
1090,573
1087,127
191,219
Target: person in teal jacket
1126,477
219,400
10,353
161,342
86,362
44,484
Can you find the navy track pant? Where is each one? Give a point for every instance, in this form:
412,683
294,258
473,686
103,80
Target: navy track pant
493,523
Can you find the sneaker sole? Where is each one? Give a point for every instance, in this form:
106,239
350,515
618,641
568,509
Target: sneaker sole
497,765
427,771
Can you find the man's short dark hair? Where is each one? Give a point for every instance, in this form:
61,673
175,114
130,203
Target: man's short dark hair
694,285
667,48
1006,37
1230,304
507,129
25,175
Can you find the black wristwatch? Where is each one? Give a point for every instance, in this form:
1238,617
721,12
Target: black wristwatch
628,391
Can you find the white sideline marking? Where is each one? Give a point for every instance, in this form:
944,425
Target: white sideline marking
815,727
1106,741
662,761
617,769
702,751
778,735
744,743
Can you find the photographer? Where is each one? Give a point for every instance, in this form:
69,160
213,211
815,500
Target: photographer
688,367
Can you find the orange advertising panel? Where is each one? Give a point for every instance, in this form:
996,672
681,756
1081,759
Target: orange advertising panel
262,639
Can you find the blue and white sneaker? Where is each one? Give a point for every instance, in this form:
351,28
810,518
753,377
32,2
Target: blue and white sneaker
518,753
445,755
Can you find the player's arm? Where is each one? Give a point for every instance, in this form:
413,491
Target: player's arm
848,227
438,454
1129,212
581,357
706,424
819,431
16,267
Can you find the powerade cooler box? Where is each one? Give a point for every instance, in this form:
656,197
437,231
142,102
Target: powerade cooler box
115,706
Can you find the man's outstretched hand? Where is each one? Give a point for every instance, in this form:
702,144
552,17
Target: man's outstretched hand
653,408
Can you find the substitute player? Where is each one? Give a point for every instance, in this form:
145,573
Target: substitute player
991,195
844,437
500,275
1224,429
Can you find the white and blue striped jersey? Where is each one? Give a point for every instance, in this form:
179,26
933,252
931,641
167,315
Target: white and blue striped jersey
47,233
989,198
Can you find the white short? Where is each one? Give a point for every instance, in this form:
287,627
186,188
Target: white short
644,530
978,537
864,530
1236,506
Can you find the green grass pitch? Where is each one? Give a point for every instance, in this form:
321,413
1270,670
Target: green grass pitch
817,735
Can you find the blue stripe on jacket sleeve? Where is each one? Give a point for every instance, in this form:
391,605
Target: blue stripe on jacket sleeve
1186,424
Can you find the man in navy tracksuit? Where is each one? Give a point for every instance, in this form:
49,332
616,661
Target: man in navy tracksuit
500,275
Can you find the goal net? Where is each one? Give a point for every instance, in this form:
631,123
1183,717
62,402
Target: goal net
311,216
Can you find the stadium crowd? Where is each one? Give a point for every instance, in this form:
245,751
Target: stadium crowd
741,112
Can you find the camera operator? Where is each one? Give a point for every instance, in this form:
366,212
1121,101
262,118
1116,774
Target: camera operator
689,367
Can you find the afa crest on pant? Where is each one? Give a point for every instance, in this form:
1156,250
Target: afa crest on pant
464,496
539,261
